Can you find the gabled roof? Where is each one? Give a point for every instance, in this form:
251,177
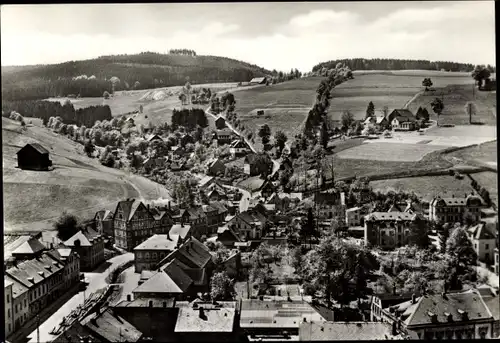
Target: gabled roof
129,207
452,304
178,275
258,79
191,253
31,246
238,144
403,113
180,230
159,242
34,271
480,231
161,282
344,331
85,236
205,180
219,118
392,216
17,287
208,208
35,146
152,137
219,207
380,119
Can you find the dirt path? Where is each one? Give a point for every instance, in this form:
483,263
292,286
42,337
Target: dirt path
408,103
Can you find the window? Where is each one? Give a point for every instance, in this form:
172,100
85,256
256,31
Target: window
8,298
16,308
25,303
487,246
8,313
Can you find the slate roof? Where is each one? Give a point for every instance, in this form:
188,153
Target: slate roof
180,230
37,269
151,137
404,113
441,306
480,231
219,207
105,215
128,207
276,314
159,242
344,331
379,216
205,180
31,246
112,328
454,201
219,319
85,236
17,287
37,147
191,253
11,243
180,277
258,79
389,299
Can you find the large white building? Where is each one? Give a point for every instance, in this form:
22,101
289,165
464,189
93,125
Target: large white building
454,210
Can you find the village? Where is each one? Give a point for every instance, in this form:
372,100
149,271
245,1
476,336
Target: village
224,264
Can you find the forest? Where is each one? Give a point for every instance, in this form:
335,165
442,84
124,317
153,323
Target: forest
141,71
395,64
189,118
45,109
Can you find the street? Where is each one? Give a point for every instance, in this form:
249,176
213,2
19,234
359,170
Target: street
97,280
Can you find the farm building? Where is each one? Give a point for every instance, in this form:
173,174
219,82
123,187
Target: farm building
238,148
224,136
33,157
154,138
258,81
220,123
215,166
402,119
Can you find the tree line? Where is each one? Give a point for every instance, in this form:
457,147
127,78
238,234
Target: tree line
395,64
141,71
185,52
189,118
45,109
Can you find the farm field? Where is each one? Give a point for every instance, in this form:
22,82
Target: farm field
426,187
485,153
488,180
454,98
382,151
392,89
285,105
78,184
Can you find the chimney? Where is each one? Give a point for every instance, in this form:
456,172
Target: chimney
413,300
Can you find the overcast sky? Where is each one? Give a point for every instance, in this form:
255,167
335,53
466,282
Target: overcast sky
271,35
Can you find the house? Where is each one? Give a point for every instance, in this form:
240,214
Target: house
238,148
227,237
152,138
380,303
153,250
150,163
169,282
19,313
178,152
182,230
29,249
331,205
447,316
249,225
267,189
346,331
215,166
353,217
133,223
101,326
205,182
200,321
405,122
222,211
483,241
215,192
90,247
213,218
71,261
389,230
224,136
259,80
195,217
253,184
104,223
257,164
278,318
232,264
220,123
399,113
33,157
36,283
490,298
378,123
8,308
454,209
162,221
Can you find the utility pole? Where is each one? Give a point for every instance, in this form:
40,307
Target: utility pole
38,328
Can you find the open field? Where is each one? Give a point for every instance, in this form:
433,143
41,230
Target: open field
483,154
488,180
454,98
426,187
392,89
382,151
285,105
414,72
78,184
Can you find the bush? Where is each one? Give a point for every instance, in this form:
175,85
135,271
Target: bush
105,95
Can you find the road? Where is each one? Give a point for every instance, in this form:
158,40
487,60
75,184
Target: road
276,163
97,280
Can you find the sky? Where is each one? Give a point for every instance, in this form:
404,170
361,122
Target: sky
272,35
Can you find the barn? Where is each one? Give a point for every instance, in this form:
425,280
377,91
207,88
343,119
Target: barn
33,157
258,81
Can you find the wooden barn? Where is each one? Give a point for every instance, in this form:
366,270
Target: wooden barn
33,157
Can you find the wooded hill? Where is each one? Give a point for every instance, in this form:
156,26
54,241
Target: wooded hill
395,64
140,71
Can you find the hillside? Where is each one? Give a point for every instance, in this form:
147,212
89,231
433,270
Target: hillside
139,71
78,184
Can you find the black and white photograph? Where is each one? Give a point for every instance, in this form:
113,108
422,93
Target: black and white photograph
249,171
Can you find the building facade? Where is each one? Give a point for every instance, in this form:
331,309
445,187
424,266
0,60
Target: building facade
483,241
454,210
8,300
133,224
390,230
90,247
104,223
150,252
33,156
353,217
